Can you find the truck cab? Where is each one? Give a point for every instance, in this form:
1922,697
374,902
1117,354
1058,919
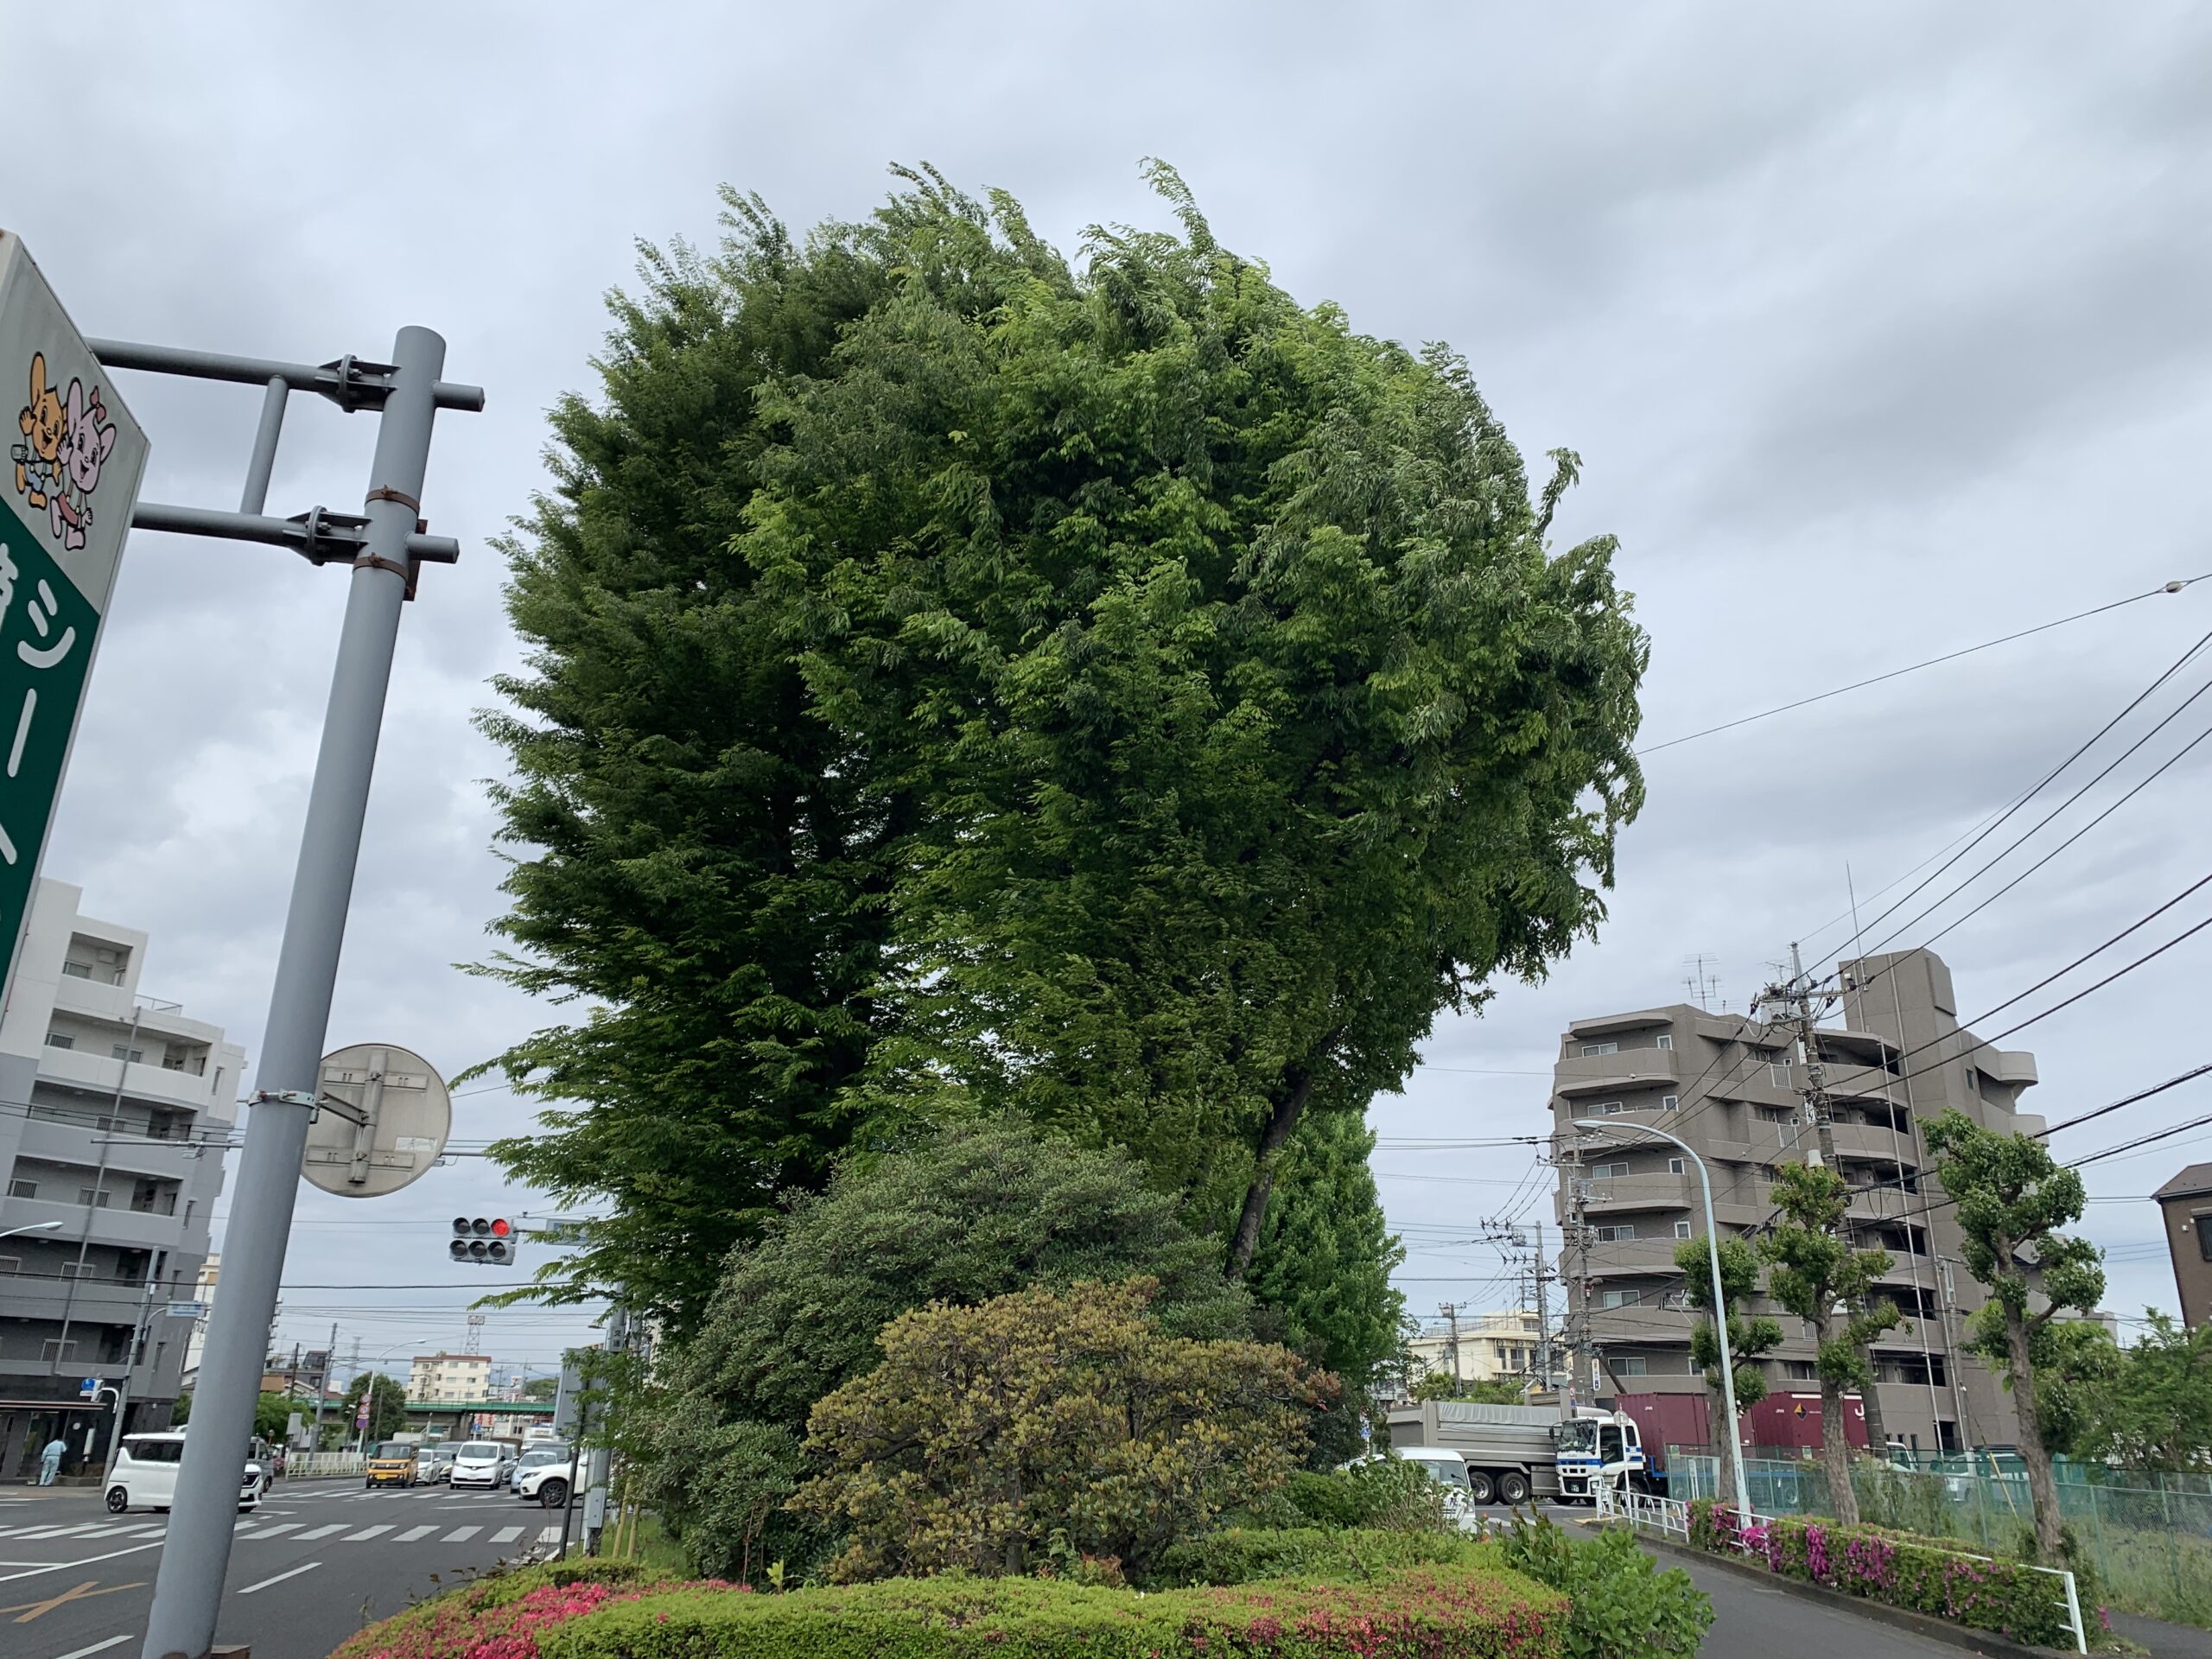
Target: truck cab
1594,1447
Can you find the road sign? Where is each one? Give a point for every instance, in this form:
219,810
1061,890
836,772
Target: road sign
89,1386
75,455
381,1120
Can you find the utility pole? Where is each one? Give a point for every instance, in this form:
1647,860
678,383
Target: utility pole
384,561
131,1358
322,1386
599,1459
1798,998
1543,1314
1451,1311
1580,1363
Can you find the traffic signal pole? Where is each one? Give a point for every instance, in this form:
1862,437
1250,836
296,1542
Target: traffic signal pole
188,1589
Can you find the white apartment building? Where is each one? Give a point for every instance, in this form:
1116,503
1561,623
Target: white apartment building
1491,1346
113,1109
442,1379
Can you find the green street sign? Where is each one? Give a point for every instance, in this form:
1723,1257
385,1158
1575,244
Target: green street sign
75,456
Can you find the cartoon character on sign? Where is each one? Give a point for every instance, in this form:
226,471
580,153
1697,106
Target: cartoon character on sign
85,450
38,457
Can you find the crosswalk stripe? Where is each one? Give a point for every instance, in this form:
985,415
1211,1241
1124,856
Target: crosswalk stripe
505,1536
320,1532
461,1534
550,1536
54,1532
365,1533
414,1532
109,1531
149,1532
275,1531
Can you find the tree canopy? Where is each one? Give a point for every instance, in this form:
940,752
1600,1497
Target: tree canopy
963,679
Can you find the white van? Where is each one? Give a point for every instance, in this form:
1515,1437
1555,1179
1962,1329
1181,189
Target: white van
144,1477
482,1462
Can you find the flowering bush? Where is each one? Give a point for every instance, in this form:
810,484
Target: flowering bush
1896,1568
1435,1613
501,1616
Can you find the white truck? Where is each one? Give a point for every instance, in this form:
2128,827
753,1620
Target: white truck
1509,1451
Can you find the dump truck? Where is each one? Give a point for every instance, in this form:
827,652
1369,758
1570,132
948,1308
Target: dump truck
1510,1451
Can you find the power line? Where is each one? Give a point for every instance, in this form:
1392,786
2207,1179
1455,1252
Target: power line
2127,1100
1896,673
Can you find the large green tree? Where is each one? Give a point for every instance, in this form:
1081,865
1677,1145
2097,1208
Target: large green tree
2150,1407
2012,1197
1325,1256
1814,1272
1112,691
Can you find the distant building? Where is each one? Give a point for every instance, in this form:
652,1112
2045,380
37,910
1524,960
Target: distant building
442,1378
2186,1203
203,1294
1730,1086
1492,1346
116,1109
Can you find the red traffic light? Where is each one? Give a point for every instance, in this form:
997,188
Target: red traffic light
501,1227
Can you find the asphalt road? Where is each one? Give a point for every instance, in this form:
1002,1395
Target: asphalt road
317,1561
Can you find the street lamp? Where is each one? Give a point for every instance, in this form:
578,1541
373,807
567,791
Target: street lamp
1719,1301
35,1227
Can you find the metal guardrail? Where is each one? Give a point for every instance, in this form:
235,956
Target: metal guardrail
324,1465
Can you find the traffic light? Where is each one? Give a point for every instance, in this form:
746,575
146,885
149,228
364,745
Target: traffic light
488,1241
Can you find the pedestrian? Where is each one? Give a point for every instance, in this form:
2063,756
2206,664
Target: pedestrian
49,1460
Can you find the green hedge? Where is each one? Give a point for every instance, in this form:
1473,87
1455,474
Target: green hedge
502,1607
1437,1612
1923,1575
1240,1554
1624,1607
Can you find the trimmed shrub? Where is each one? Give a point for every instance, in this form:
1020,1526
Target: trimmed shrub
1242,1555
1920,1574
1392,1492
1438,1612
1624,1607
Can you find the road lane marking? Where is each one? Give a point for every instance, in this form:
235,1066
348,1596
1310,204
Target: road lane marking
31,1610
320,1532
505,1535
272,1532
365,1533
461,1534
63,1566
98,1647
149,1532
550,1536
412,1533
309,1567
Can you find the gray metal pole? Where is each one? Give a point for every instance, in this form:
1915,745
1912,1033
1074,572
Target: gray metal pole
1719,1297
188,1590
256,493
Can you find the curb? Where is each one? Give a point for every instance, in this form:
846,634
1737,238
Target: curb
1935,1630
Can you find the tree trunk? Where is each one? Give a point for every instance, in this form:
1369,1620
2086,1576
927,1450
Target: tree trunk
1273,1137
2042,1489
1727,1443
1878,1439
1835,1445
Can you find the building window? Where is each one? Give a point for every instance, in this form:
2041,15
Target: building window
1609,1108
124,1052
1629,1365
54,1348
1774,1114
1590,1051
1666,1040
59,1040
1799,1371
2203,1221
1778,1074
22,1187
1671,1102
1607,1172
1681,1229
1618,1233
1674,1165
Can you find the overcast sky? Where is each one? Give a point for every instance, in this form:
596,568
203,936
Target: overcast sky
1881,330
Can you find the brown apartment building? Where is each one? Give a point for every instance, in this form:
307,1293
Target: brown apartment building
1895,1057
2186,1204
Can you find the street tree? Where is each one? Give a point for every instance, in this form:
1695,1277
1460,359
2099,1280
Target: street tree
987,1430
965,678
1814,1272
1751,1336
2011,1197
1484,1390
2152,1407
387,1404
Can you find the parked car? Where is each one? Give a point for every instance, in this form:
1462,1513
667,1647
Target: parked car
395,1463
545,1475
437,1466
486,1464
144,1477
